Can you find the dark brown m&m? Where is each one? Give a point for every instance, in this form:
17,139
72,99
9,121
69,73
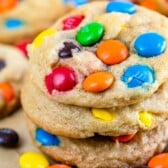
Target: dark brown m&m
66,51
2,64
8,137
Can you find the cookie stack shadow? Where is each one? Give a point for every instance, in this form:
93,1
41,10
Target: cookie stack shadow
123,125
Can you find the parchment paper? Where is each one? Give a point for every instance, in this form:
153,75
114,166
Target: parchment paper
9,158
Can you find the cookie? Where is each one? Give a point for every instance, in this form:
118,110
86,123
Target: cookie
100,151
78,122
24,19
102,55
13,66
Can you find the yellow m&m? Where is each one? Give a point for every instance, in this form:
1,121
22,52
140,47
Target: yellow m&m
33,160
103,114
40,38
146,119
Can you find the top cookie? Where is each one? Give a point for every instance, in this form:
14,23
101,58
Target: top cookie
102,55
24,19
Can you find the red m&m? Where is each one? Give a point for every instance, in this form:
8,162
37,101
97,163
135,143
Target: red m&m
72,22
22,46
61,79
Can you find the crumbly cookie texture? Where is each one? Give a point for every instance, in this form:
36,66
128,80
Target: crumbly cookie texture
101,151
13,65
81,122
25,19
97,56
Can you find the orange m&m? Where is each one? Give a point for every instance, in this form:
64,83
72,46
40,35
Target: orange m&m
7,5
112,52
159,161
98,82
6,90
151,4
124,138
59,166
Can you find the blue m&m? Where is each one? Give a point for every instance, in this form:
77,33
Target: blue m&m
138,75
121,6
46,139
76,2
13,24
150,44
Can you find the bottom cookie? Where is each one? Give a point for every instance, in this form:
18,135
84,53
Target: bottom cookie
101,152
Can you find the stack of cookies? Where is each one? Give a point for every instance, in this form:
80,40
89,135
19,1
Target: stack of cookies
96,92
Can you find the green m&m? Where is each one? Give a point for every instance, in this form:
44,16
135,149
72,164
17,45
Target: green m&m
90,34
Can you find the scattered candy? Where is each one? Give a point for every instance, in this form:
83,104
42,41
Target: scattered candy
159,161
112,52
7,91
146,118
121,6
2,64
90,34
61,79
13,24
138,75
124,138
59,166
46,139
6,5
66,51
22,46
33,160
150,45
98,82
8,137
103,114
40,38
72,22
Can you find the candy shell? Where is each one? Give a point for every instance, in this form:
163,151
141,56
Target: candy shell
6,90
40,38
72,22
159,161
124,138
112,52
45,138
121,6
60,79
98,82
6,5
90,34
33,160
138,76
14,23
150,45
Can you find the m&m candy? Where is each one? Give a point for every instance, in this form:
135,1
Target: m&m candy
98,82
60,79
